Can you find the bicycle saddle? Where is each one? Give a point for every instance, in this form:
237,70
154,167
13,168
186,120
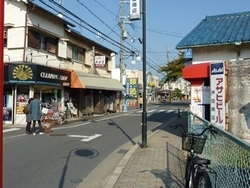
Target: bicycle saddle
199,160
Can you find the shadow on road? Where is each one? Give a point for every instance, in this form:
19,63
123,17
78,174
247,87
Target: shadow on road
112,123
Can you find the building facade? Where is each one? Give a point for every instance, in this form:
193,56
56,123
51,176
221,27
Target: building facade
220,47
43,54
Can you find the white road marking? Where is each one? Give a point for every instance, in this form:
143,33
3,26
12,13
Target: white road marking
86,138
162,110
151,110
171,111
12,129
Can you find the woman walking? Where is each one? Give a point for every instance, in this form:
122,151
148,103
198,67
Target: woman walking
28,118
35,107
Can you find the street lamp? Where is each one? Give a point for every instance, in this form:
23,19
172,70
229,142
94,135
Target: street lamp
144,112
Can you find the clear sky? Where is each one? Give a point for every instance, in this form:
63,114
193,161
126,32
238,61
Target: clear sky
167,22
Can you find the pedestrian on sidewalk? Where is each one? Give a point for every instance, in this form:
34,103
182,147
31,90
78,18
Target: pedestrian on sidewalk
35,107
28,118
140,102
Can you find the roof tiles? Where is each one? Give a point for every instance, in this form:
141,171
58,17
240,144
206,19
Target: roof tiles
218,30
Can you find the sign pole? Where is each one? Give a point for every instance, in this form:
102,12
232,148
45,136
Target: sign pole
144,112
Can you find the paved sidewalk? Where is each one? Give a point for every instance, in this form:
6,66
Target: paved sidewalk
160,165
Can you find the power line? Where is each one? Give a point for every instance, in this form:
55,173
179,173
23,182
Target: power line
115,43
106,9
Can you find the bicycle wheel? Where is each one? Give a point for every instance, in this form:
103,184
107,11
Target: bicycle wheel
203,180
63,118
188,174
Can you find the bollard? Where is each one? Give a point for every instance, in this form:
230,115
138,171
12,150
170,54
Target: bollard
179,113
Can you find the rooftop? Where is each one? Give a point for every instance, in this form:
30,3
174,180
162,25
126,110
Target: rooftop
219,30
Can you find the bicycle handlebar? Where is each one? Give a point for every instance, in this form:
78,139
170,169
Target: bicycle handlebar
212,131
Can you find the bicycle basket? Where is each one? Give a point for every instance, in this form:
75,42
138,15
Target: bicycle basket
194,142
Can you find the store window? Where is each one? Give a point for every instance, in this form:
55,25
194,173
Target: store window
40,41
22,98
75,53
7,103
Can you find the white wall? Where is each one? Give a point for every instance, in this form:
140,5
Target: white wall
15,13
218,53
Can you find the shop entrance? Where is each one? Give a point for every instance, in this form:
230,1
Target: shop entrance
47,93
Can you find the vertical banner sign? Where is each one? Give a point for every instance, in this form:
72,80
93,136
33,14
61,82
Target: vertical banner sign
127,86
135,12
217,85
132,86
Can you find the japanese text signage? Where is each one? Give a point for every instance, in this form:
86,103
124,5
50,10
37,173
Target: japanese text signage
217,86
100,62
131,86
135,13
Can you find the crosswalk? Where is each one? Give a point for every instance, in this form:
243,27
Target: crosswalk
156,111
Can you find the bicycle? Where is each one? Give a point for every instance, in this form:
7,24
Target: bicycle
197,168
58,117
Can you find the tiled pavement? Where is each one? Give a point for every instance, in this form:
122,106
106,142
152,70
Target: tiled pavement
160,165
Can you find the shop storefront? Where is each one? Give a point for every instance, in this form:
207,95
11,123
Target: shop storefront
22,80
93,94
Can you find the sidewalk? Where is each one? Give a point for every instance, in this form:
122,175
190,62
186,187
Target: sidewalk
160,165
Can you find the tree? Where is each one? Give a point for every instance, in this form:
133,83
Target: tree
177,93
173,70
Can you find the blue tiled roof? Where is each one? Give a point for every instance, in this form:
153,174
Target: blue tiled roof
219,30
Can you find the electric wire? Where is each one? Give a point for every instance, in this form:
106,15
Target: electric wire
100,19
115,43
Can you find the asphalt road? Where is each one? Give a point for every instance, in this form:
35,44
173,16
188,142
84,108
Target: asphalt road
80,154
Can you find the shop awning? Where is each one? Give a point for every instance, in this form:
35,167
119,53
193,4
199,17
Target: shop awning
196,71
90,81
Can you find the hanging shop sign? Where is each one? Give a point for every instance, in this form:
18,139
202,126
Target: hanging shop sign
48,75
217,86
100,62
135,12
132,86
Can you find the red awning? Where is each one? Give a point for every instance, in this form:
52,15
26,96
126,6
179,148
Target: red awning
196,71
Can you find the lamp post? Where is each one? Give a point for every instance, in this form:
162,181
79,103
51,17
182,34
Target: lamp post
1,89
144,112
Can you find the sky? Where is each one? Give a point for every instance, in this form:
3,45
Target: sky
167,22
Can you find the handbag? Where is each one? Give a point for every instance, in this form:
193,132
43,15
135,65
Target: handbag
25,110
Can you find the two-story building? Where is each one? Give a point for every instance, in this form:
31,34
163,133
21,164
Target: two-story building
221,50
43,54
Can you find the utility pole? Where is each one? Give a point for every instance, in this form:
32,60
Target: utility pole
122,27
169,91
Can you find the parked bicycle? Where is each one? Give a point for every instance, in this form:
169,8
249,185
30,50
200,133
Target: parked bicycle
49,115
197,168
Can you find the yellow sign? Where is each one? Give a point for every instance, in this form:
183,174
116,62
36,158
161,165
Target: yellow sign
152,84
22,72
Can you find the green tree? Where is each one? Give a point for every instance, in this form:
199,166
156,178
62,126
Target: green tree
173,70
177,93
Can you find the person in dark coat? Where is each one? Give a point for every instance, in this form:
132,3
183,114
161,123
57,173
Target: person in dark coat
28,118
54,105
35,107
